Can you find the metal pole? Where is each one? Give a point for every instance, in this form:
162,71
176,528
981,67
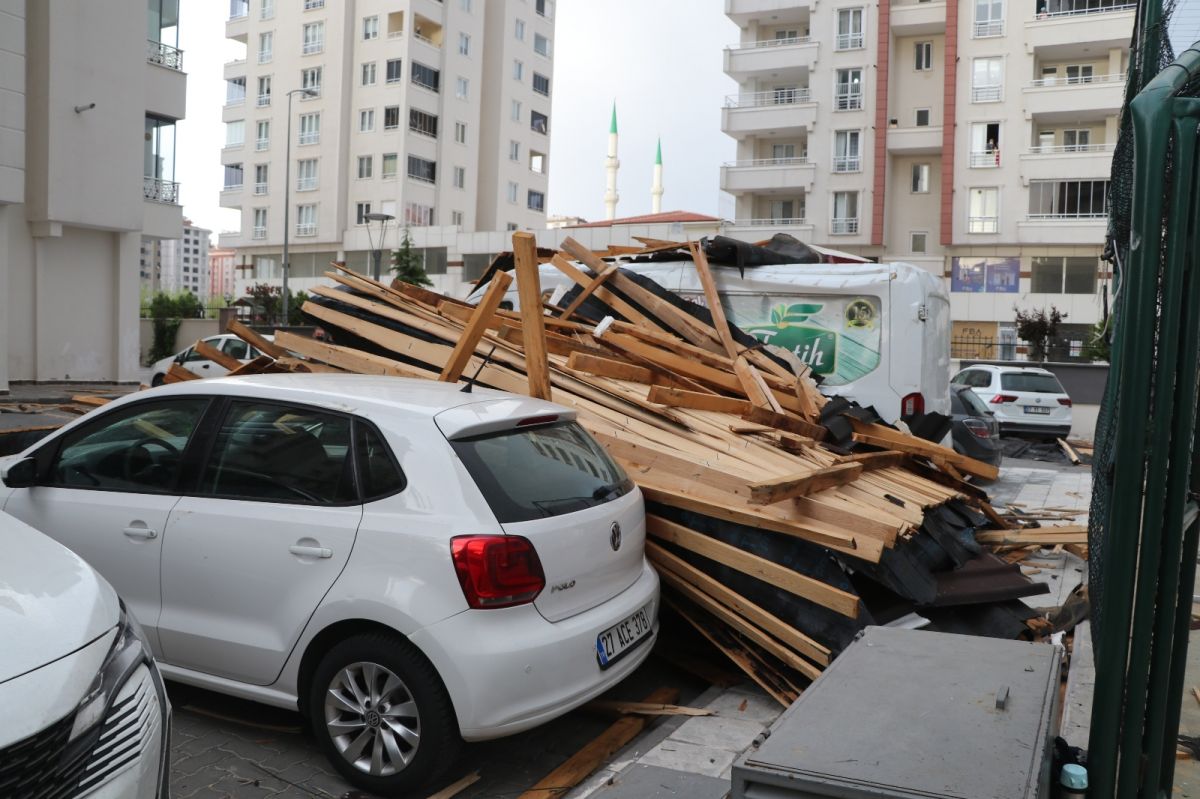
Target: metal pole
287,201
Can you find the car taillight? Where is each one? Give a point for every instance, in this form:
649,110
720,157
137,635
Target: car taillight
1002,398
980,429
497,571
1064,401
912,404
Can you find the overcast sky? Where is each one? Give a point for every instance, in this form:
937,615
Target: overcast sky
660,60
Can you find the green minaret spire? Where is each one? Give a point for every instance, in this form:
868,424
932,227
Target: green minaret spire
612,128
658,155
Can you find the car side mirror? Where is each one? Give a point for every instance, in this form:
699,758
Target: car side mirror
22,474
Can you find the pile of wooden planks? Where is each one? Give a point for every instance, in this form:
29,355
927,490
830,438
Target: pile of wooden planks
762,526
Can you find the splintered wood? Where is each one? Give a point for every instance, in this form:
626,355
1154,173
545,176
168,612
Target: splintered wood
715,431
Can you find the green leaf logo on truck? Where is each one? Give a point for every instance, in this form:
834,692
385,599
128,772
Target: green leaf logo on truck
839,339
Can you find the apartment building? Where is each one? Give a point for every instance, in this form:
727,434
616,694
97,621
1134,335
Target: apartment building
183,262
435,113
971,137
222,273
89,97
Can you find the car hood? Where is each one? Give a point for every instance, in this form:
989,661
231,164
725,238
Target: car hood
51,602
162,365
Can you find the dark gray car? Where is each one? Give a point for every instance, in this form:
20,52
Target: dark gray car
974,430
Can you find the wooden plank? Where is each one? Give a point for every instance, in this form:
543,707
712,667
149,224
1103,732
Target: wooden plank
422,294
215,355
767,630
597,752
679,398
254,367
1031,536
464,348
537,364
607,367
604,295
177,374
791,424
586,291
251,337
644,708
713,299
769,492
927,449
756,390
794,582
348,358
89,400
875,460
299,365
1069,451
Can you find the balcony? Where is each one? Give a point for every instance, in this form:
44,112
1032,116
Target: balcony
849,41
984,159
781,113
1066,100
983,224
918,19
987,28
743,12
1062,162
925,140
238,28
162,214
1099,27
258,233
263,101
156,190
166,83
758,228
234,69
846,164
1063,229
260,189
306,228
987,94
767,175
427,31
164,55
773,57
309,137
306,184
848,101
261,144
843,226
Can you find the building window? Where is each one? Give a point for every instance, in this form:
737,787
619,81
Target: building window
306,220
310,79
260,179
366,165
267,11
313,40
513,191
515,112
265,46
924,56
370,28
985,145
422,169
263,135
983,215
850,29
989,18
460,132
920,178
519,29
518,69
310,128
366,120
1068,199
536,201
917,242
465,5
235,133
456,218
539,123
1077,140
541,84
510,227
845,213
423,123
235,90
848,94
360,213
461,88
1056,275
368,74
309,5
514,150
418,215
847,153
460,177
233,176
394,73
464,44
537,162
426,77
987,80
306,174
542,8
541,45
922,118
391,117
264,91
389,166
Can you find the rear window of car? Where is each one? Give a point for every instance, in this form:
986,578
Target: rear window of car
1031,381
973,404
540,472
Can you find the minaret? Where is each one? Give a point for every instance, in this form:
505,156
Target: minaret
656,191
610,169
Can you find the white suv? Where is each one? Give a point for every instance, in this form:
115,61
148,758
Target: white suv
85,714
1023,399
404,562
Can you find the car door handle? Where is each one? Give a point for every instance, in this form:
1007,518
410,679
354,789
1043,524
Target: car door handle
204,366
310,552
140,532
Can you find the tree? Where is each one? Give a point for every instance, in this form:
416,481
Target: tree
406,263
1037,328
1098,347
168,312
265,303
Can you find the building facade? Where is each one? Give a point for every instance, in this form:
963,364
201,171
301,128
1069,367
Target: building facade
89,97
222,273
971,137
183,262
434,113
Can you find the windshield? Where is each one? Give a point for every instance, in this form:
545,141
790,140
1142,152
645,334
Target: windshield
1031,381
974,405
542,471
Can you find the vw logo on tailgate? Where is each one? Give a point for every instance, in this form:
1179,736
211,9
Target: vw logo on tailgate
614,536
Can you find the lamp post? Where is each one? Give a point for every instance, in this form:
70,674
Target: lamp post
287,199
377,252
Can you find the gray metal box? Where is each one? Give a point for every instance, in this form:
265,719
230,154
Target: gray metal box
907,713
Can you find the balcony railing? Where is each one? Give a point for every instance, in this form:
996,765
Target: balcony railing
849,41
1067,216
752,162
1077,12
1075,80
396,34
158,190
986,94
775,97
309,5
306,228
267,11
261,144
232,187
259,233
987,28
235,100
310,137
264,56
983,224
1061,149
770,43
313,47
264,100
985,159
843,226
770,221
260,188
164,55
421,38
848,102
847,163
306,184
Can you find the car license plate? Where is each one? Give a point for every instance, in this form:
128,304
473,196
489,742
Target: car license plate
1037,409
622,637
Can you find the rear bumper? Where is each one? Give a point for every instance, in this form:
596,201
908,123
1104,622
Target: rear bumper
1057,429
510,670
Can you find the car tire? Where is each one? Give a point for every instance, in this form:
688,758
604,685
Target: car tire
157,380
400,676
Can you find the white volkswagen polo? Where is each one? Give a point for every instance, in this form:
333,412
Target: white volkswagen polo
406,563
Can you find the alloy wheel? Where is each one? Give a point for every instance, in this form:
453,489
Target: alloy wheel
372,719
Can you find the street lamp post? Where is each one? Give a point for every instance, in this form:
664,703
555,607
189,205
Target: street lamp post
287,199
377,252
